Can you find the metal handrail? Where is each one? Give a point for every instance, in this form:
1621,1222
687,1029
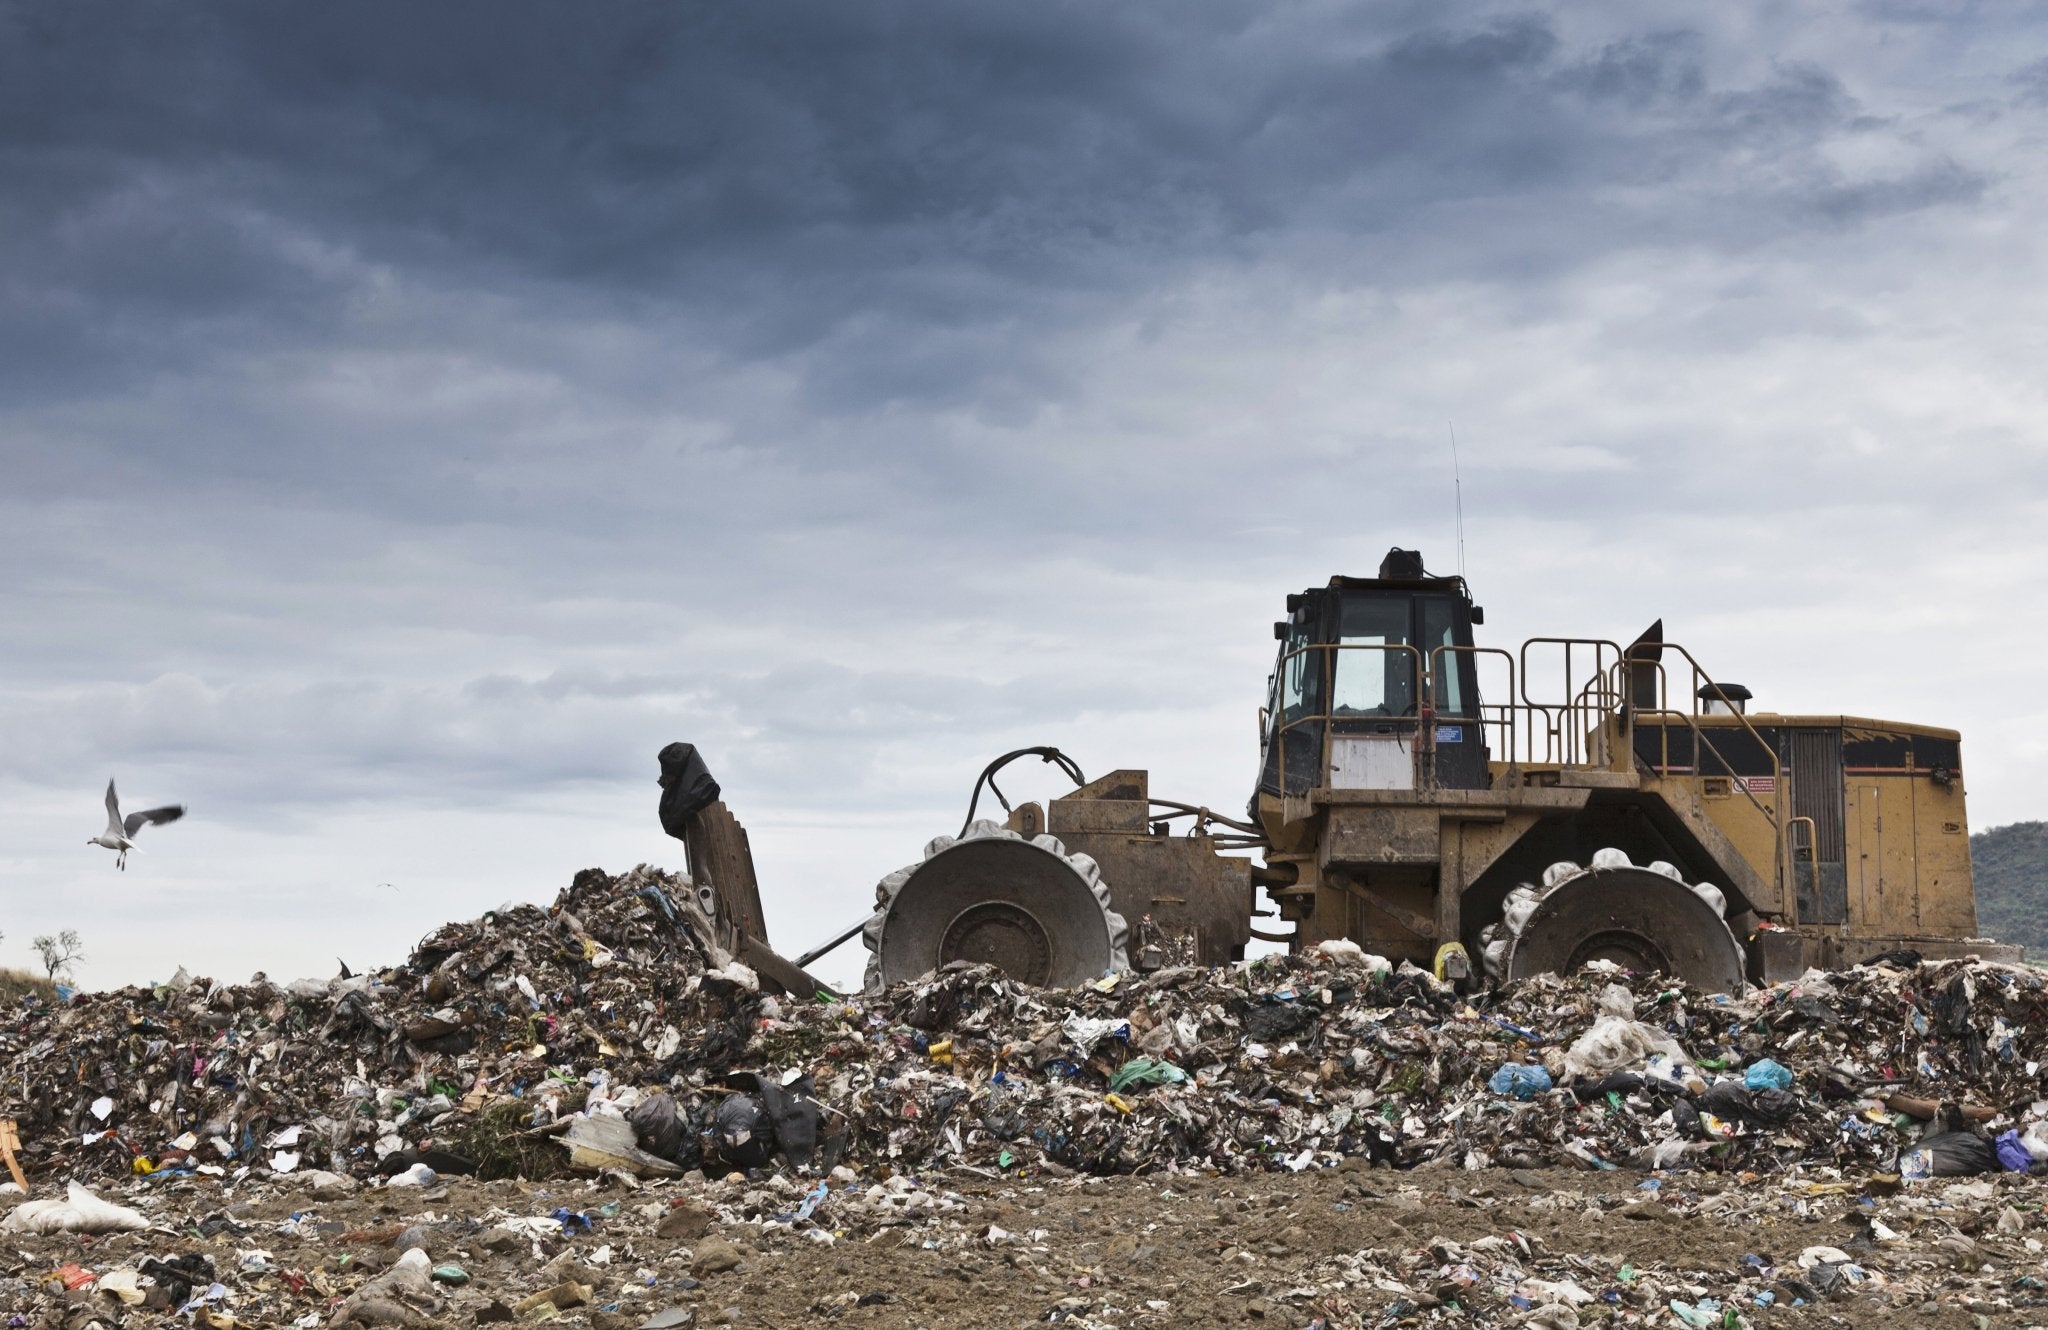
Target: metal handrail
1775,814
1559,728
1506,719
1791,898
1598,709
1571,715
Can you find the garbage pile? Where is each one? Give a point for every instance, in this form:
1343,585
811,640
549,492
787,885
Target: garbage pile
372,1072
598,1035
1296,1063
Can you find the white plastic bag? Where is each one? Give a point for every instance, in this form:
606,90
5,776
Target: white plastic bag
79,1212
1614,1042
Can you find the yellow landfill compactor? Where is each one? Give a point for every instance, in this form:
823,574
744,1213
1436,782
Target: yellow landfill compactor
1595,802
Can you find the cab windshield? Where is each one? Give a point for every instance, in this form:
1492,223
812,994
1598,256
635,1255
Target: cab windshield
1375,667
1357,661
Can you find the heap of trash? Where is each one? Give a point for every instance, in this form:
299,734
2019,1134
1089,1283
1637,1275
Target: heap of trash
525,1006
600,1035
1292,1063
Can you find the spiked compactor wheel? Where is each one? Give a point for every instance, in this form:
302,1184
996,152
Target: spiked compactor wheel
1036,912
1643,919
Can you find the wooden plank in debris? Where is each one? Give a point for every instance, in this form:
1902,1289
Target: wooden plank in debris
600,1143
10,1141
721,857
778,970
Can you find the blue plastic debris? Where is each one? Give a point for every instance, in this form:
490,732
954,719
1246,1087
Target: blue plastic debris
1522,1080
1764,1074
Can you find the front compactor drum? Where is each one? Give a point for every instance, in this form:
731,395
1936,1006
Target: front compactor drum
1641,918
1027,907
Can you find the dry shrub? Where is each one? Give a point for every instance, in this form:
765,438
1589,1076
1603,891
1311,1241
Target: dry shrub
504,1146
18,984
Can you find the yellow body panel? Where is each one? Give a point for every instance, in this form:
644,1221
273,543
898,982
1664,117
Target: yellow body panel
1388,868
1906,843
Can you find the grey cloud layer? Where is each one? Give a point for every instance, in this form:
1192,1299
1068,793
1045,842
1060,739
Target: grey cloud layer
767,180
427,411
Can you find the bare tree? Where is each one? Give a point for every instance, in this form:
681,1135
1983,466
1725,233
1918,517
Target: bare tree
59,953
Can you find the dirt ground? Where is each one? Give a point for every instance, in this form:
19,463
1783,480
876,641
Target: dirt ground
966,1251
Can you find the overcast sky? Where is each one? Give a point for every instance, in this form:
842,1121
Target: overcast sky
412,417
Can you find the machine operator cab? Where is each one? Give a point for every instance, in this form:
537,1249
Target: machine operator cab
1375,687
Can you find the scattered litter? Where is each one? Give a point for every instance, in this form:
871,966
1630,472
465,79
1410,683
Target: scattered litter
589,1050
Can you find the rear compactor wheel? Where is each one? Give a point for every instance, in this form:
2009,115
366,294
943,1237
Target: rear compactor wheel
1028,907
1640,918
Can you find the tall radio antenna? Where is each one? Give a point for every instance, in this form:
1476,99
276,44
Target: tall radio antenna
1458,488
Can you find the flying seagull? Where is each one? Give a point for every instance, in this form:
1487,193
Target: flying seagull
120,833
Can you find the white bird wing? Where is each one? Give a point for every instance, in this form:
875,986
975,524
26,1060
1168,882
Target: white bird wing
113,810
151,816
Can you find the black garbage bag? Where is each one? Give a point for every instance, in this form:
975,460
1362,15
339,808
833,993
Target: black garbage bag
1276,1021
1950,1154
796,1115
686,787
742,1134
177,1275
1773,1108
658,1126
792,1110
1728,1099
356,1012
1585,1088
1760,1108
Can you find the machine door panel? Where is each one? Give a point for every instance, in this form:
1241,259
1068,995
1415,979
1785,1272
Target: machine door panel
1813,760
1882,855
1383,761
1868,809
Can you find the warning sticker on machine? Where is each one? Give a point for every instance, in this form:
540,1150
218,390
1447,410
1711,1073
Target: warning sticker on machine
1450,734
1760,784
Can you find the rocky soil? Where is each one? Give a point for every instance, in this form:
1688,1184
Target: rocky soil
1349,1246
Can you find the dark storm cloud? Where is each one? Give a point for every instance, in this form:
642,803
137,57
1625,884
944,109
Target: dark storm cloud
832,184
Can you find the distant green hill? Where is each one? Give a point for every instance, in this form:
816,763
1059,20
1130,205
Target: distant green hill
2011,866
